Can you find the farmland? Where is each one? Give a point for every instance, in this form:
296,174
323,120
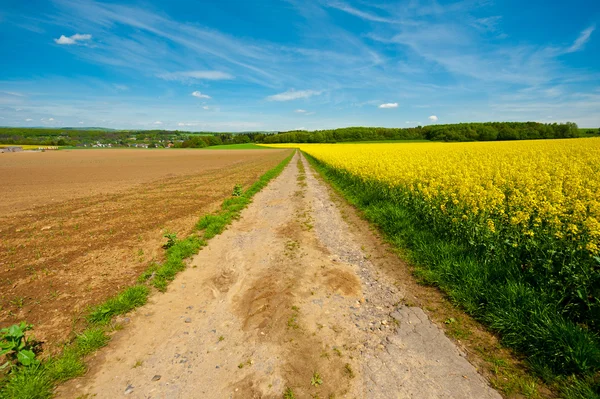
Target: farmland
510,231
78,226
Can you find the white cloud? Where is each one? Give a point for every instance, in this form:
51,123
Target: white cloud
389,105
51,119
300,111
74,39
205,107
200,95
158,123
433,118
293,95
195,75
583,38
81,123
28,120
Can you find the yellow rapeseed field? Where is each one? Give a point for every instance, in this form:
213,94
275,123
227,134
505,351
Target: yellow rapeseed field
545,189
24,146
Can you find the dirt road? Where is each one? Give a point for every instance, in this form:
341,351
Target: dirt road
284,301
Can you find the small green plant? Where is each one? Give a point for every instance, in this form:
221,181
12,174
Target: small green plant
171,240
289,394
316,379
18,301
221,338
16,347
348,370
238,190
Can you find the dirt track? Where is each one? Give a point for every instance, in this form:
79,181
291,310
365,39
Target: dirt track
285,293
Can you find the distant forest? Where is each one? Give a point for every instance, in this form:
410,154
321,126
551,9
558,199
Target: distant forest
488,131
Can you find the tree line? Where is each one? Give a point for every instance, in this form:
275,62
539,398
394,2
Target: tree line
486,131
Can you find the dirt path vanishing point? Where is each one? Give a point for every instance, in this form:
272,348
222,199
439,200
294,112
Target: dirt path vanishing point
284,299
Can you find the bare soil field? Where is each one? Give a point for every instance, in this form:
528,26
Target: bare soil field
31,179
78,226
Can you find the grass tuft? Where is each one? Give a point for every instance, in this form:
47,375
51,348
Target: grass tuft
124,302
90,340
27,383
66,366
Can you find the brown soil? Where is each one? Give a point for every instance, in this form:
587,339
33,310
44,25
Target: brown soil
78,226
286,298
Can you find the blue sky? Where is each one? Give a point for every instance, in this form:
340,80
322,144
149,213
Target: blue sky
280,65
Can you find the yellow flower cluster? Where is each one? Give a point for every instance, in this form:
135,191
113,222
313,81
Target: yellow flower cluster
543,187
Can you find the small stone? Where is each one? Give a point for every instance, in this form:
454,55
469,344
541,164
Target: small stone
156,377
217,367
129,389
190,307
46,228
384,322
188,320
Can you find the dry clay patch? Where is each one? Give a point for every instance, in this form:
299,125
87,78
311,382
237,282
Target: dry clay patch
57,260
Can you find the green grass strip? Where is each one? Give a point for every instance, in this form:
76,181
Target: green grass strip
564,354
38,382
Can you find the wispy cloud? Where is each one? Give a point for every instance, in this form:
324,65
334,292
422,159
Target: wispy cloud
199,94
300,111
195,75
158,123
13,93
388,105
583,38
433,118
358,13
294,95
74,39
487,24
